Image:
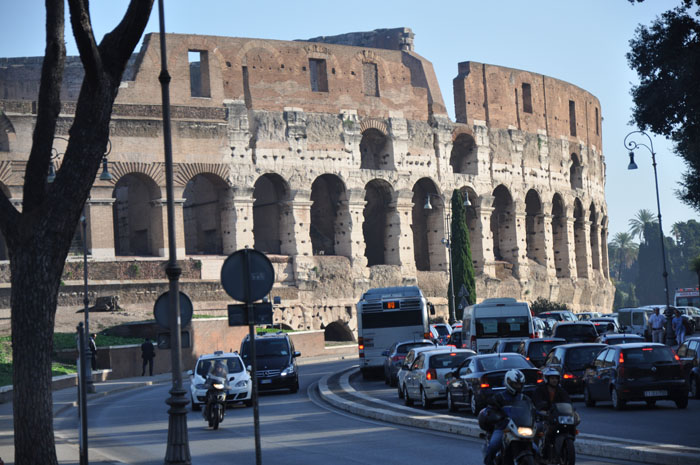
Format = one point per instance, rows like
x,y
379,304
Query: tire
x,y
651,403
294,389
474,406
618,403
216,419
587,397
386,378
450,403
406,399
568,453
694,388
365,373
195,406
527,460
392,381
424,401
248,403
400,390
682,402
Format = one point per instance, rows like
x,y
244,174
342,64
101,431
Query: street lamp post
x,y
90,386
633,145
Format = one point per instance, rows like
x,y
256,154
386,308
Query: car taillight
x,y
569,376
431,374
622,359
361,345
427,336
484,383
398,358
472,343
533,336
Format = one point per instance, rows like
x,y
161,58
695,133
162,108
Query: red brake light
x,y
484,385
677,357
431,374
647,349
360,347
427,336
569,376
453,354
622,358
398,358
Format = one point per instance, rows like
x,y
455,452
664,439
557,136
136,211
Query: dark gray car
x,y
395,355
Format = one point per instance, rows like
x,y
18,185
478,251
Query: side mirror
x,y
189,373
296,354
249,368
385,353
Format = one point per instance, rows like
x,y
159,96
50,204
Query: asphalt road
x,y
131,427
664,424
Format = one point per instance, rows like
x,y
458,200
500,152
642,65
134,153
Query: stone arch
x,y
534,227
503,225
204,196
6,129
327,210
560,236
3,244
376,225
270,193
373,150
595,247
463,157
338,330
580,239
137,216
576,172
428,226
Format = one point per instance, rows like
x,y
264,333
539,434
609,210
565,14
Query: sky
x,y
582,42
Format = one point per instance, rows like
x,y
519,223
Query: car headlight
x,y
525,431
242,383
288,371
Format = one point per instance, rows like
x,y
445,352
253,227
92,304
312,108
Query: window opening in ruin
x,y
503,225
604,248
576,173
199,73
202,215
527,98
372,145
428,226
376,224
3,244
597,130
134,216
534,227
269,193
580,240
5,129
463,157
326,192
246,88
559,237
370,81
338,331
595,249
572,117
319,77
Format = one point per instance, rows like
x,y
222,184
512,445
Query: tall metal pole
x,y
82,397
449,256
86,302
633,145
178,448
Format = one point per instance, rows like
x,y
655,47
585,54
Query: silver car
x,y
406,367
425,380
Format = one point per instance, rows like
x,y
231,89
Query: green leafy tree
x,y
665,56
541,305
650,282
38,237
687,247
695,266
639,222
623,251
460,248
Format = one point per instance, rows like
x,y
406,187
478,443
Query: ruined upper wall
x,y
499,96
400,38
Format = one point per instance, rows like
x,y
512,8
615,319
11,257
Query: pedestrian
x,y
93,351
656,323
147,354
678,327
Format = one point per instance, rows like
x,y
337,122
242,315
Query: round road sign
x,y
247,275
161,310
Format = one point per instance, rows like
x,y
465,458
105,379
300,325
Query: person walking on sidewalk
x,y
147,354
656,323
93,351
678,327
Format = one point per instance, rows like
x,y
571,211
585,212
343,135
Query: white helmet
x,y
514,381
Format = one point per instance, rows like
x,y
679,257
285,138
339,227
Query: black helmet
x,y
488,417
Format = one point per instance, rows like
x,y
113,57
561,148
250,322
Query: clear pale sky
x,y
579,41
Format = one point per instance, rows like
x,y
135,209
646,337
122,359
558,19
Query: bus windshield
x,y
392,319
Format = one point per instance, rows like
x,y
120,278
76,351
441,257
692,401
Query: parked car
x,y
584,316
406,366
570,360
240,385
602,325
505,345
425,379
575,331
480,376
440,333
395,355
536,350
620,338
645,372
559,315
689,353
276,361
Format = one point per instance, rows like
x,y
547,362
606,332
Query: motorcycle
x,y
556,439
217,386
517,445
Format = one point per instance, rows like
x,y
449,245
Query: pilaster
x,y
237,219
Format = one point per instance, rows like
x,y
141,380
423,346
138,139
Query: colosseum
x,y
323,154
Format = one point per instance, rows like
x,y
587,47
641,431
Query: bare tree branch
x,y
8,217
48,108
85,38
121,42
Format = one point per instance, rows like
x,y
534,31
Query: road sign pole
x,y
254,366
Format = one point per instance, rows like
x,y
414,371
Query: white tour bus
x,y
387,315
496,319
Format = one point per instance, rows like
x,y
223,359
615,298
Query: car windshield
x,y
647,355
451,360
577,358
500,362
539,350
267,348
231,364
404,348
442,330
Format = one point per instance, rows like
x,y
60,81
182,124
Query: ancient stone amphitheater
x,y
323,154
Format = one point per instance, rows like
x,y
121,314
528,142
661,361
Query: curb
x,y
586,444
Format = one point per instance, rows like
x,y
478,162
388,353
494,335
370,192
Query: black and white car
x,y
240,385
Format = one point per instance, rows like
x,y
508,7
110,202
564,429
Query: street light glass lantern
x,y
427,205
105,175
632,165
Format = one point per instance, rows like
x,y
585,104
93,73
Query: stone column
x,y
159,228
237,219
295,224
100,223
483,239
550,261
350,240
399,234
519,252
569,262
585,232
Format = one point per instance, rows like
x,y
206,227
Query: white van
x,y
636,320
493,319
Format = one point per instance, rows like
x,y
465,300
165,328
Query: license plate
x,y
265,381
655,393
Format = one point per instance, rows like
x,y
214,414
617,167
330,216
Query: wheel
x,y
406,400
527,460
386,377
294,388
392,381
365,373
682,402
215,421
651,403
474,406
248,403
618,403
568,453
424,401
450,403
400,389
195,406
587,397
694,388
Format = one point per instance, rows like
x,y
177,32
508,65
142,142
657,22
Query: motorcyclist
x,y
513,382
550,392
219,370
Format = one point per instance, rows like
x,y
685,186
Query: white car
x,y
425,379
240,384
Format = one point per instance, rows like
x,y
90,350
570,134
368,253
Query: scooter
x,y
517,446
215,400
556,440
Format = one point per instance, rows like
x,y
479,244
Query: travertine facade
x,y
324,153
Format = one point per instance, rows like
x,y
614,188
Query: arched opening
x,y
3,245
463,157
576,173
338,331
580,240
5,129
137,219
559,237
534,227
327,192
470,210
375,227
372,150
269,194
595,248
503,225
203,195
604,246
428,226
